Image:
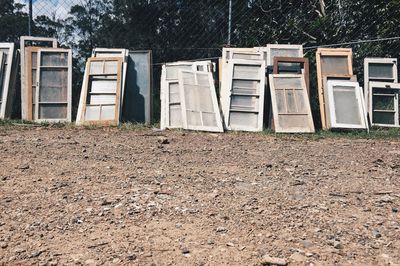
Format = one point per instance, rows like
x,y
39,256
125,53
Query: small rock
x,y
395,210
132,257
3,245
337,245
307,243
230,244
163,141
376,234
221,229
211,242
185,251
23,167
273,261
90,262
297,257
386,199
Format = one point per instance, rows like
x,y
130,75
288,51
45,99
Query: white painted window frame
x,y
8,80
367,79
277,126
164,87
24,89
390,87
360,103
260,111
212,91
69,90
270,47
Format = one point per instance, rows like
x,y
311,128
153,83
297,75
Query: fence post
x,y
30,18
230,23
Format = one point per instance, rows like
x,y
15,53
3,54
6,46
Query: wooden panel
x,y
346,105
102,92
29,41
53,99
384,104
290,104
245,109
324,68
200,110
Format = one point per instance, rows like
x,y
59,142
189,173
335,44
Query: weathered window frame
x,y
300,60
24,79
207,66
259,109
8,80
69,85
367,78
114,122
360,104
395,87
330,52
212,91
309,128
271,47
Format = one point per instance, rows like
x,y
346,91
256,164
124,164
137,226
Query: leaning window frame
x,y
261,96
24,80
360,102
274,102
270,47
331,52
213,94
8,80
300,60
388,86
116,120
367,79
69,88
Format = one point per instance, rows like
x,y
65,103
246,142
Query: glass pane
x,y
334,65
383,103
54,59
346,105
248,120
53,85
246,72
384,118
380,71
245,87
245,103
53,111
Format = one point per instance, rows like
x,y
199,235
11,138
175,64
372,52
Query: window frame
x,y
69,85
270,47
8,80
300,60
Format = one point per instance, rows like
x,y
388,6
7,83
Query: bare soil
x,y
143,197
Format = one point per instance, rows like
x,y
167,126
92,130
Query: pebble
x,y
3,245
337,245
376,234
221,229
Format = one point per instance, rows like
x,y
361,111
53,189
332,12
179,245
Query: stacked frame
x,y
245,109
199,104
8,76
333,62
290,104
53,95
101,96
384,104
171,112
305,67
26,72
345,106
283,50
379,70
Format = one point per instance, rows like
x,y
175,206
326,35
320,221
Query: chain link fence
x,y
198,29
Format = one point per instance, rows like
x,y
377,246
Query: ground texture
x,y
143,197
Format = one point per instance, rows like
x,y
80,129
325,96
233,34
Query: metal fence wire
x,y
198,29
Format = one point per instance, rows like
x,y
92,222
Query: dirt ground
x,y
144,197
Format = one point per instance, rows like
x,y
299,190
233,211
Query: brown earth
x,y
143,197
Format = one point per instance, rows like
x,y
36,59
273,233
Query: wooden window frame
x,y
301,60
298,47
389,86
367,79
30,98
24,90
331,52
360,102
115,121
211,88
8,80
260,109
277,127
69,81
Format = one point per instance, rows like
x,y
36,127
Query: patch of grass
x,y
133,126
